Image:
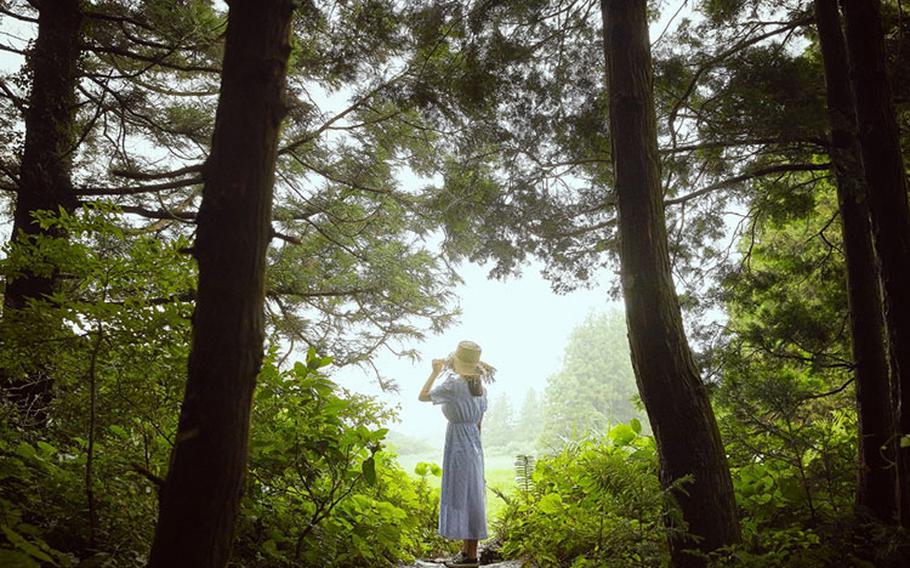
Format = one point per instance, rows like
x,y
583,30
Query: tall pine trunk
x,y
45,169
201,495
887,194
876,490
676,400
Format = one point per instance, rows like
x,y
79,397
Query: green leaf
x,y
622,434
905,440
635,423
270,547
16,559
25,546
118,431
369,470
46,448
551,504
26,450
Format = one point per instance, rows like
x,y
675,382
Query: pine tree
x,y
676,400
877,488
200,499
886,185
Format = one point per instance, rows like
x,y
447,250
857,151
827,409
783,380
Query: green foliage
x,y
794,450
115,340
22,544
499,422
322,492
112,343
503,102
596,502
784,403
405,445
428,513
524,474
843,542
511,431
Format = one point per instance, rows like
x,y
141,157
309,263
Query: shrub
x,y
596,502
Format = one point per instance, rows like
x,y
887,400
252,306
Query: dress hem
x,y
459,537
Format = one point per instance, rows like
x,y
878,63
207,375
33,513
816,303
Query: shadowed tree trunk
x,y
45,168
887,193
876,491
201,496
677,403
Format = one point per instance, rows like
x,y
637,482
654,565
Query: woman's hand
x,y
438,364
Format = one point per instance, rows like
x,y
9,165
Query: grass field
x,y
498,469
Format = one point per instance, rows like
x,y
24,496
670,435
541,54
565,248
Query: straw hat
x,y
466,361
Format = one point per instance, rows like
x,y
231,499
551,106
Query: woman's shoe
x,y
462,561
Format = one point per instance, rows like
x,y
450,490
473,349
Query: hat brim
x,y
466,368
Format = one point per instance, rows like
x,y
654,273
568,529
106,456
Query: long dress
x,y
462,504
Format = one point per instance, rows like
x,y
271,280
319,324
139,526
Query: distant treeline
x,y
594,388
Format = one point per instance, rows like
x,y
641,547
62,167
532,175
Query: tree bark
x,y
887,194
676,400
201,496
45,168
876,489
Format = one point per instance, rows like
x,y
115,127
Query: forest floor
x,y
439,564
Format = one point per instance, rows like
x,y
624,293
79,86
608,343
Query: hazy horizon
x,y
522,326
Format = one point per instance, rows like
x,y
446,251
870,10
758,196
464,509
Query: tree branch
x,y
830,392
159,61
20,17
743,142
693,82
147,176
134,190
779,168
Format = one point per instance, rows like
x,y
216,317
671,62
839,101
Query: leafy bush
x,y
322,492
596,502
82,486
112,344
22,465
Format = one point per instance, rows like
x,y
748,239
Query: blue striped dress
x,y
462,504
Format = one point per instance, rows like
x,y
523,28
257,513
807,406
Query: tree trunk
x,y
201,496
45,168
887,192
677,402
876,489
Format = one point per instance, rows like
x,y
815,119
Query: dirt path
x,y
430,564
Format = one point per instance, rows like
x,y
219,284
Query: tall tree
x,y
45,169
595,386
147,95
201,495
887,192
676,400
499,422
529,422
876,491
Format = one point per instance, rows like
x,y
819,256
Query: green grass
x,y
499,471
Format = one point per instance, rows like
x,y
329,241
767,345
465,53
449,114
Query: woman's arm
x,y
425,391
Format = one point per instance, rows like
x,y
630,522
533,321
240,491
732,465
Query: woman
x,y
462,504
